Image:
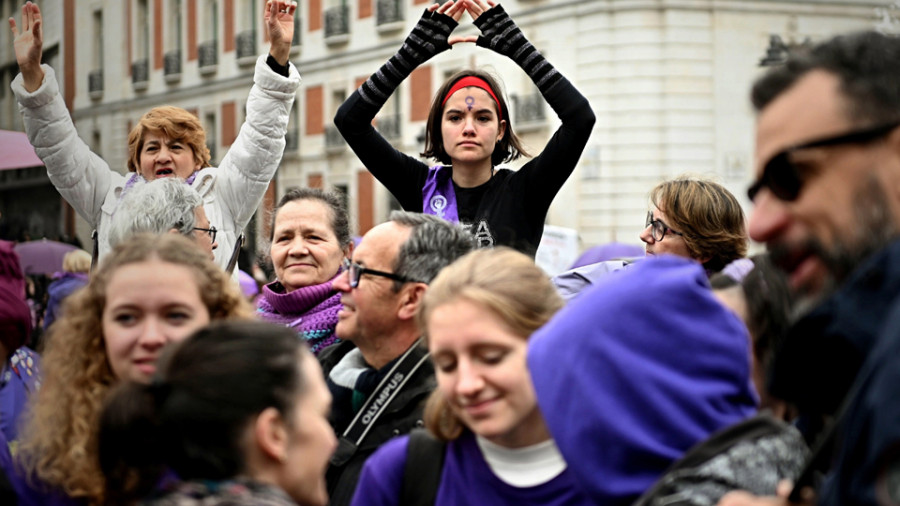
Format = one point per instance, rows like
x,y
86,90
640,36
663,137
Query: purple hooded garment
x,y
638,369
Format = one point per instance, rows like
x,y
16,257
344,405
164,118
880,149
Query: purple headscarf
x,y
638,369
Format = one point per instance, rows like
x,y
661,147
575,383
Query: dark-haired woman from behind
x,y
237,412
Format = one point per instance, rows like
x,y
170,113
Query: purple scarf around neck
x,y
310,310
438,195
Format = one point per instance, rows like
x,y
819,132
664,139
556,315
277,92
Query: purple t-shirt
x,y
465,479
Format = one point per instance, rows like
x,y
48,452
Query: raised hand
x,y
451,8
279,18
430,35
500,34
29,45
499,31
477,7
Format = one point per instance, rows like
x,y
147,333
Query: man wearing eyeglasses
x,y
379,376
827,205
160,206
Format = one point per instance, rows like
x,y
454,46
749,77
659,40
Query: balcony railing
x,y
246,45
95,83
337,24
529,109
334,141
172,64
140,72
292,139
208,55
388,12
389,126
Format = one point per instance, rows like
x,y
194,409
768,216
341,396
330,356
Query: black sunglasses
x,y
211,231
784,178
355,271
658,228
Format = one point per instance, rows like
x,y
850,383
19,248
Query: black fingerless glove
x,y
500,34
427,39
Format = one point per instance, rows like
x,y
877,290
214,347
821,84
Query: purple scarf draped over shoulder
x,y
311,310
438,196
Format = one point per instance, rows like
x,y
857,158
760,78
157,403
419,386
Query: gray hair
x,y
433,244
155,207
864,63
340,221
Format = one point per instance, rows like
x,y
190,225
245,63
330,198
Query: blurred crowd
x,y
431,361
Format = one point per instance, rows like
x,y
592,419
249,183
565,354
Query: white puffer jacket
x,y
231,192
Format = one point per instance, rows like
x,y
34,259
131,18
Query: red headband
x,y
476,82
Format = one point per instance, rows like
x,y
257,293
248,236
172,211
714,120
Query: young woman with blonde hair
x,y
478,315
150,291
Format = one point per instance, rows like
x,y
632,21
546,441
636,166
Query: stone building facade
x,y
667,79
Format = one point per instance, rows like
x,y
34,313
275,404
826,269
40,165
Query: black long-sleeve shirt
x,y
511,207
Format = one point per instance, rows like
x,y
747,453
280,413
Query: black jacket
x,y
851,344
402,415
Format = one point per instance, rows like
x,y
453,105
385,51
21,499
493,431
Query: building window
x,y
95,77
96,143
337,22
246,35
292,139
389,120
172,58
388,15
140,67
209,124
334,141
209,29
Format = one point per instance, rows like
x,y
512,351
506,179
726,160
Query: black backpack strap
x,y
424,464
235,253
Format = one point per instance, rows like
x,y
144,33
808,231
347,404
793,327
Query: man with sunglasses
x,y
827,205
378,375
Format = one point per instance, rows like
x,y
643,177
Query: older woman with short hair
x,y
310,238
163,206
698,219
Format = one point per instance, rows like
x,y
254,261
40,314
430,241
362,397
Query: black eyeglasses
x,y
658,228
211,231
785,179
355,271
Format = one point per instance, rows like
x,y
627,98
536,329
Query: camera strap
x,y
392,383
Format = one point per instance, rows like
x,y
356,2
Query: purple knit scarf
x,y
438,195
310,310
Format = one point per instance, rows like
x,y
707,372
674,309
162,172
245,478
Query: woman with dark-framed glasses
x,y
310,239
698,219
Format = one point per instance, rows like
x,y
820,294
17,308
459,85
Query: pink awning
x,y
16,152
